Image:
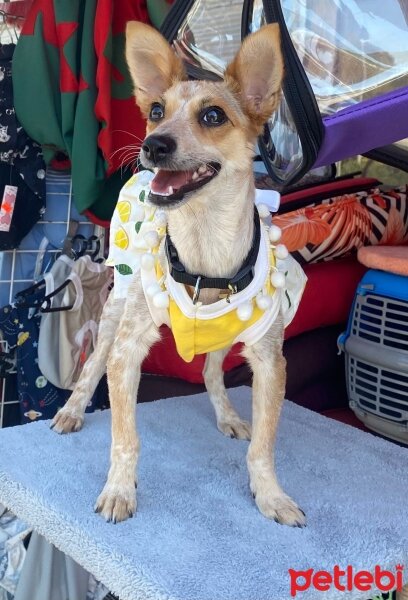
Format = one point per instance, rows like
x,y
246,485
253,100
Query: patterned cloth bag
x,y
341,225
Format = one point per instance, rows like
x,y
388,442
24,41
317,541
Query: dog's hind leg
x,y
269,369
228,421
71,416
136,334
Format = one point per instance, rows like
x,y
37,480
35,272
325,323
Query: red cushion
x,y
328,295
327,190
164,360
326,301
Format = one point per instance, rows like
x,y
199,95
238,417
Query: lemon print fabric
x,y
124,210
135,230
121,239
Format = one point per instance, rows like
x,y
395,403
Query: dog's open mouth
x,y
169,186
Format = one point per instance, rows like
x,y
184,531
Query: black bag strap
x,y
298,95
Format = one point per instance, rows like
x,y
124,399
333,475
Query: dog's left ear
x,y
256,73
153,65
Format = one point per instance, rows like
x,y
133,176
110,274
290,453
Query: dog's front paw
x,y
280,508
235,428
66,422
116,504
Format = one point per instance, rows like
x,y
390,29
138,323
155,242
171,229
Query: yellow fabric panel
x,y
199,336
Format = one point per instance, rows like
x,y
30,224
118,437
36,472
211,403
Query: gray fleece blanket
x,y
197,534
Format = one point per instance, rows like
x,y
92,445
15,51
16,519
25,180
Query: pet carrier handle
x,y
298,95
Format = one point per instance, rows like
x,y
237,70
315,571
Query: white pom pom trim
x,y
278,279
275,233
139,243
161,300
244,312
152,239
263,211
281,252
161,218
147,261
263,301
153,289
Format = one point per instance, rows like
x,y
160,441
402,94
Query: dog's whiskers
x,y
124,149
128,160
136,164
128,133
127,157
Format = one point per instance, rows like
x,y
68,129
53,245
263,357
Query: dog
x,y
200,143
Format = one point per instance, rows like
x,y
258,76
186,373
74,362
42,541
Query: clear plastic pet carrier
x,y
345,90
376,350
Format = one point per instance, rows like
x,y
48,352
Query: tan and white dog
x,y
200,142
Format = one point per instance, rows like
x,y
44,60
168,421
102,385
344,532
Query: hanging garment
x,y
49,574
20,327
22,167
38,398
73,92
53,226
12,552
197,329
68,337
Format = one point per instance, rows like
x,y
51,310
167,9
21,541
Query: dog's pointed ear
x,y
256,73
153,65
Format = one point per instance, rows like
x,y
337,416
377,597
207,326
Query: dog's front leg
x,y
228,421
269,369
136,334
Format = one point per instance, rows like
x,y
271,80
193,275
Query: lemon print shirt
x,y
137,247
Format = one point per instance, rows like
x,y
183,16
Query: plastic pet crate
x,y
376,351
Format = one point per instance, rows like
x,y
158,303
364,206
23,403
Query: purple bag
x,y
346,65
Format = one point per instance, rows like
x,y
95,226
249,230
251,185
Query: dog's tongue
x,y
163,181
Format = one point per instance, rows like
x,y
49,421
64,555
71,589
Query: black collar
x,y
234,284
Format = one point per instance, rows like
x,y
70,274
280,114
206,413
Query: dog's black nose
x,y
158,147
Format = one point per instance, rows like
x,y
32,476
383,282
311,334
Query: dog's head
x,y
198,130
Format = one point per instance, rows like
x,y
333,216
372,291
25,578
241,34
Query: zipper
x,y
298,94
247,10
175,18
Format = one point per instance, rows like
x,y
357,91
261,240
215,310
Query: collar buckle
x,y
197,290
232,289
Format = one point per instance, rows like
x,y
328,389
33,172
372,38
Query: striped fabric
x,y
339,226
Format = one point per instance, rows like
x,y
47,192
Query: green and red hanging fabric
x,y
73,92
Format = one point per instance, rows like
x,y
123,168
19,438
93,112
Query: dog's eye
x,y
156,112
213,116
